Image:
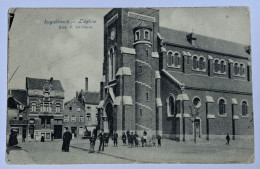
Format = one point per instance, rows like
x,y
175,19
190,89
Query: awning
x,y
158,102
209,99
235,117
111,92
234,101
101,103
183,97
118,100
211,116
127,100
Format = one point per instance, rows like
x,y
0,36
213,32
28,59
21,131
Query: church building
x,y
173,83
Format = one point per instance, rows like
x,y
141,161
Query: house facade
x,y
45,101
171,82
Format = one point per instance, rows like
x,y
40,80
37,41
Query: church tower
x,y
131,60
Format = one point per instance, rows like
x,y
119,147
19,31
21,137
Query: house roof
x,y
35,83
19,95
204,42
91,97
206,82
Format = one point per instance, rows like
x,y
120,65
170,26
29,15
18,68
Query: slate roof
x,y
204,42
35,83
215,83
91,97
19,95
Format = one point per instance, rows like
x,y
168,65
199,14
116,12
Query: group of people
x,y
129,137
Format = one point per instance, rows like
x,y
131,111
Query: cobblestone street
x,y
170,152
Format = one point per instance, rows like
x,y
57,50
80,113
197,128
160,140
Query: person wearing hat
x,y
66,140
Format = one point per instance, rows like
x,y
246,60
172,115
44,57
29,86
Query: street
x,y
214,151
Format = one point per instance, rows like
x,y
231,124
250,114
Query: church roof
x,y
91,97
205,82
204,42
37,84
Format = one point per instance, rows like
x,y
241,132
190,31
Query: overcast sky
x,y
43,50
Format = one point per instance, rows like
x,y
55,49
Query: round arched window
x,y
196,102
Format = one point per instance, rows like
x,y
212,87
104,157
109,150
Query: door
x,y
57,131
74,132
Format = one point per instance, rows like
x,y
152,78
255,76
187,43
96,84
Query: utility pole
x,y
13,73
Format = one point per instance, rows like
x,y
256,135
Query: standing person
x,y
115,136
128,136
67,136
92,143
124,139
131,139
101,137
228,139
159,140
24,136
136,139
106,139
29,137
13,139
52,136
145,138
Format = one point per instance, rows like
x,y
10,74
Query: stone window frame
x,y
196,65
149,34
66,118
58,108
137,36
81,119
169,113
225,103
220,69
73,118
200,103
173,59
33,106
88,116
247,105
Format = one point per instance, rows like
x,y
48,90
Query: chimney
x,y
51,79
86,84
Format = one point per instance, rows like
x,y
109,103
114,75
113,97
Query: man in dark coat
x,y
128,136
124,139
101,137
115,136
228,139
131,139
66,140
13,138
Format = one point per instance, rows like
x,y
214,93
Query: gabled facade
x,y
45,101
171,82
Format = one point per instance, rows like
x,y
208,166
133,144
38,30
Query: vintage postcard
x,y
129,85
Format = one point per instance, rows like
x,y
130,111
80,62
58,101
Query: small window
x,y
195,62
222,66
70,108
137,35
33,106
244,108
147,53
78,109
140,69
147,96
196,102
147,34
58,107
73,118
88,116
222,109
81,119
202,63
173,59
141,112
236,69
171,105
66,118
216,65
242,69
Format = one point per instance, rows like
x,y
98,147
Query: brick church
x,y
171,82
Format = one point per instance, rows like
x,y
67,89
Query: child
x,y
92,143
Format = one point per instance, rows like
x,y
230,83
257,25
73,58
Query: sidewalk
x,y
16,155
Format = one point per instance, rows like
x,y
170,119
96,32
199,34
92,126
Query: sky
x,y
43,50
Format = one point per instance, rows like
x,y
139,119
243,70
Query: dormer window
x,y
137,35
191,38
147,35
